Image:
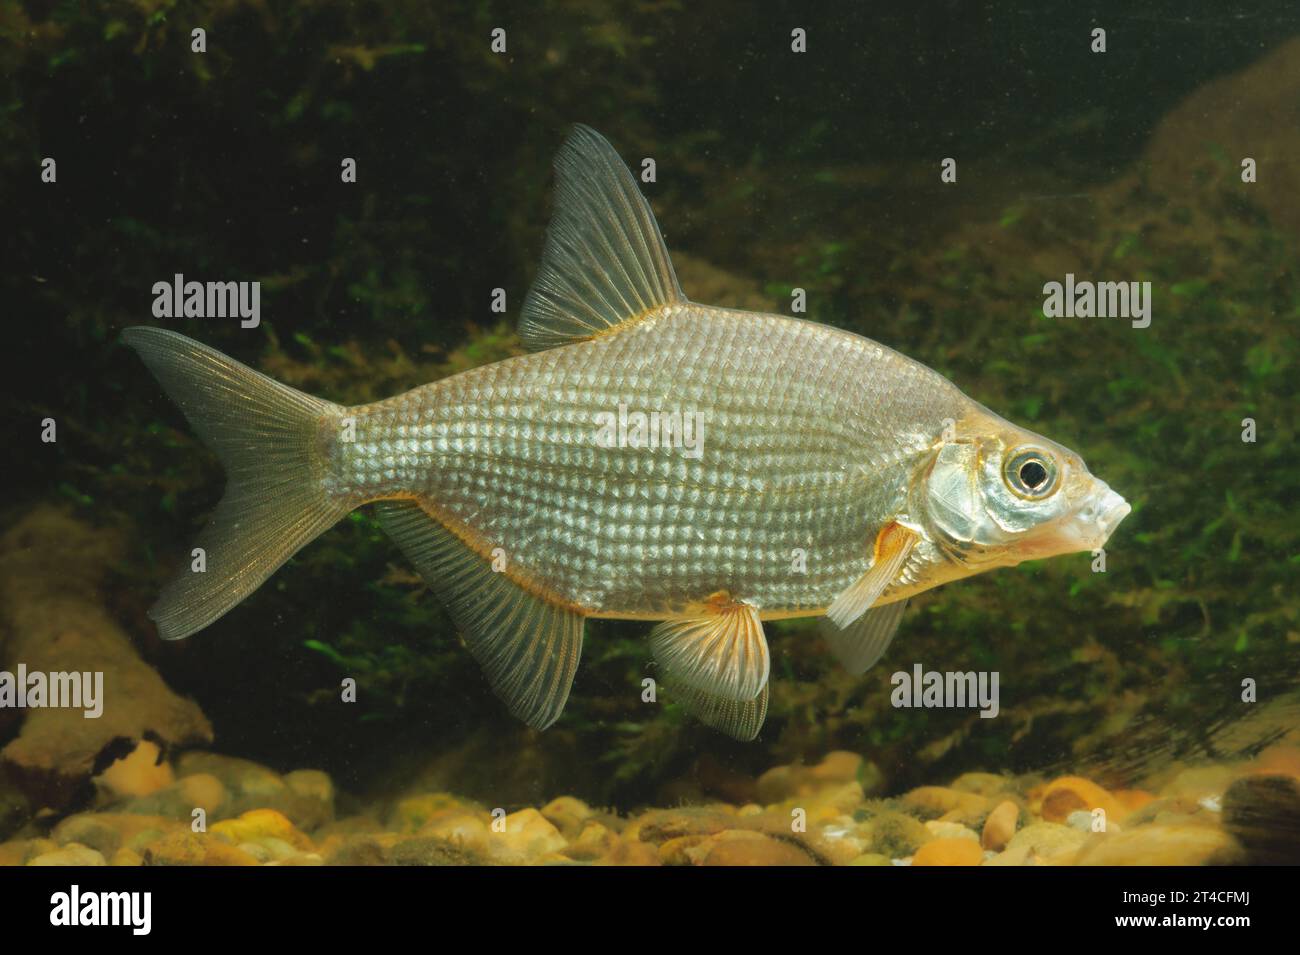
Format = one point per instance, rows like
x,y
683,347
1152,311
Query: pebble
x,y
359,849
527,834
71,854
179,800
836,769
951,804
660,825
684,850
429,850
950,830
1070,793
1047,839
304,796
139,773
894,834
191,848
630,852
260,825
312,803
592,843
1187,844
107,832
745,848
413,812
464,829
960,851
1080,819
1021,855
567,814
255,849
839,843
1000,826
1202,814
982,784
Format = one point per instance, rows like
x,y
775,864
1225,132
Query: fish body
x,y
810,439
788,469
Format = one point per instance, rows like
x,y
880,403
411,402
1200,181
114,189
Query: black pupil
x,y
1033,474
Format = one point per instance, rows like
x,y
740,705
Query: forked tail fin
x,y
269,438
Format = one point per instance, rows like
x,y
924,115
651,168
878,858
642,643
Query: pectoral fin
x,y
721,652
528,646
859,645
893,544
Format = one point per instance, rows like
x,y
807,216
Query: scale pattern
x,y
811,437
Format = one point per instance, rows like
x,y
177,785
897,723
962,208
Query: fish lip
x,y
1100,518
1118,510
1087,529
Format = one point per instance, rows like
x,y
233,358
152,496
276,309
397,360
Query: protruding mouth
x,y
1087,529
1098,520
1114,510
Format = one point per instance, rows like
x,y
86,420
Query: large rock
x,y
51,570
1252,113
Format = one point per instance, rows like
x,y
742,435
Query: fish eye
x,y
1030,473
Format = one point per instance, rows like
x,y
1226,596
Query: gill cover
x,y
953,499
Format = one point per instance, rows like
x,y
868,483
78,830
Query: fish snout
x,y
1093,523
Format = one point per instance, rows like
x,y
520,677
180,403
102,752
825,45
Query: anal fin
x,y
863,642
527,645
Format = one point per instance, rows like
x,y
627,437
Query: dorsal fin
x,y
605,263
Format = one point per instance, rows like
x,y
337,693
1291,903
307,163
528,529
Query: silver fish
x,y
650,459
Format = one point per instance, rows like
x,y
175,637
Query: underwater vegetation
x,y
1125,679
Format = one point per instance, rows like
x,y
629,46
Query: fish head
x,y
1001,495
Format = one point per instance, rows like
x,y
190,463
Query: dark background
x,y
226,166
